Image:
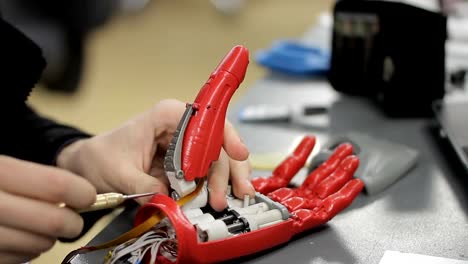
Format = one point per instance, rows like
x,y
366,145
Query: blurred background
x,y
136,53
110,60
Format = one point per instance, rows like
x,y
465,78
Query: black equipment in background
x,y
391,52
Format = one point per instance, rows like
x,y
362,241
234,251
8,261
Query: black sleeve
x,y
23,133
29,136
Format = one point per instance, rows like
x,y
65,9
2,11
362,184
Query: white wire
x,y
154,250
127,247
137,248
137,245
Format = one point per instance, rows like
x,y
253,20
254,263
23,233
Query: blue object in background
x,y
292,57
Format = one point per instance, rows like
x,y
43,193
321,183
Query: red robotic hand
x,y
273,217
324,193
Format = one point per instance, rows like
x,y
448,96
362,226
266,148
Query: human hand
x,y
30,219
129,159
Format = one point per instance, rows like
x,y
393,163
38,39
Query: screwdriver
x,y
111,200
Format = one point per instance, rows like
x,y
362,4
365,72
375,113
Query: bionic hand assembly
x,y
184,228
272,217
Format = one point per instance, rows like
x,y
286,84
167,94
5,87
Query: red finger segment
x,y
338,201
283,174
305,219
295,203
292,164
329,166
282,194
339,178
267,185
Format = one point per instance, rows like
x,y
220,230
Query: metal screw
x,y
175,196
180,174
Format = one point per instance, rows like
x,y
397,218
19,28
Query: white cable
x,y
126,248
155,249
134,250
137,245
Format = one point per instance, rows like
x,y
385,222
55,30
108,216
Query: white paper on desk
x,y
395,257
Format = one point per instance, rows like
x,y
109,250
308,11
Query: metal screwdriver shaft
x,y
111,200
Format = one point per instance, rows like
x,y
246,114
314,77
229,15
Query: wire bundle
x,y
133,251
